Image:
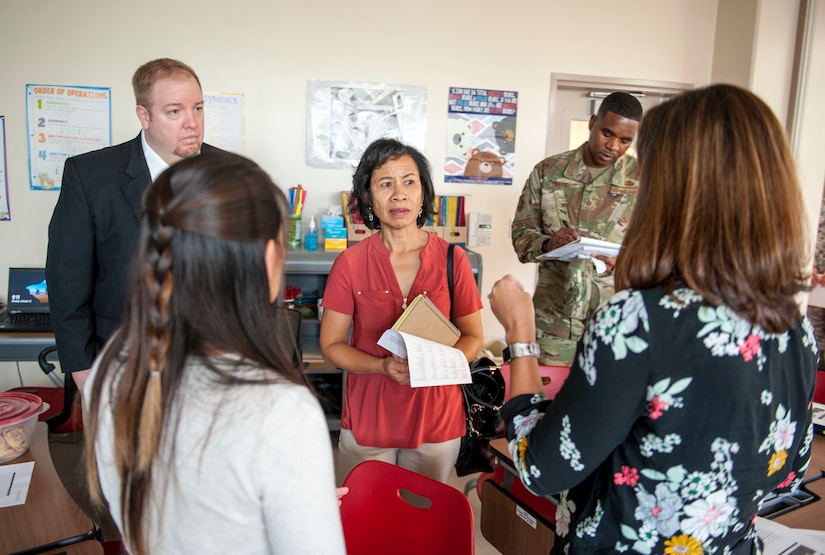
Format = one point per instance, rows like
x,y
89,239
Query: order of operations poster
x,y
481,136
62,122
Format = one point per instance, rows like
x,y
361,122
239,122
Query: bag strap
x,y
450,277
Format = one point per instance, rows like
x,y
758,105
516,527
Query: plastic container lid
x,y
16,406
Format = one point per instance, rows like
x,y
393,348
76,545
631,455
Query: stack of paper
x,y
783,540
583,246
425,337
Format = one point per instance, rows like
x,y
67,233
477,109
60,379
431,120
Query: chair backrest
x,y
819,392
551,376
63,415
390,509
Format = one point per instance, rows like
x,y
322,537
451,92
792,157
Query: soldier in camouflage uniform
x,y
590,192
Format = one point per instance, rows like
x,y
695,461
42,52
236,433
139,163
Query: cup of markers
x,y
297,196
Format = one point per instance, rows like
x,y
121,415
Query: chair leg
x,y
470,486
69,389
69,394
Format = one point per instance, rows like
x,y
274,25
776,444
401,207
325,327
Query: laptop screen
x,y
27,290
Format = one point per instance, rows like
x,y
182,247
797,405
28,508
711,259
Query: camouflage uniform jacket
x,y
563,192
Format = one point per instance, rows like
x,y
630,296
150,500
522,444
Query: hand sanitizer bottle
x,y
311,238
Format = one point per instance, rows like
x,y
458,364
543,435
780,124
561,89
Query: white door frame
x,y
591,83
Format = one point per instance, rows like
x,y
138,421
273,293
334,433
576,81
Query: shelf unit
x,y
309,271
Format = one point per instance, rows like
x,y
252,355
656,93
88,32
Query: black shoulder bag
x,y
482,400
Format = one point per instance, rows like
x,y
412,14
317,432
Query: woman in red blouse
x,y
368,287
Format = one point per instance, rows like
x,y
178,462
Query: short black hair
x,y
623,104
375,156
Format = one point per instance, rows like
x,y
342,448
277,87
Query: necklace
x,y
404,303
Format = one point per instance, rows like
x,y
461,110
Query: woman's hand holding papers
x,y
397,369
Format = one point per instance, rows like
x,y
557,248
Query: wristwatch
x,y
515,350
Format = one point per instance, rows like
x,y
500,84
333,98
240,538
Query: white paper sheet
x,y
14,483
784,540
583,246
818,415
430,363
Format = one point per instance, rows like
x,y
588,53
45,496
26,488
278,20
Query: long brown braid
x,y
159,283
204,228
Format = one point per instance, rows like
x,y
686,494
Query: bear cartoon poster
x,y
481,136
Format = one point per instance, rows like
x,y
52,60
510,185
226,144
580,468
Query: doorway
x,y
574,98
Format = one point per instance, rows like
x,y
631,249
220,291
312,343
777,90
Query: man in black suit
x,y
95,222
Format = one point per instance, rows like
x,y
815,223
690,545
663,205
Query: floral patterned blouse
x,y
677,420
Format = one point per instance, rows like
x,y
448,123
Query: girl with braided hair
x,y
194,411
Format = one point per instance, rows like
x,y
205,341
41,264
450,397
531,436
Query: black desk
x,y
23,346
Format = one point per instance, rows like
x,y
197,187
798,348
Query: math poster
x,y
481,136
4,184
223,121
62,122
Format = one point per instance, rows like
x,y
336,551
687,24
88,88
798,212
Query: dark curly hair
x,y
376,155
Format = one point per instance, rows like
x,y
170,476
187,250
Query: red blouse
x,y
361,283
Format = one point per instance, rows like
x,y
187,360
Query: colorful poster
x,y
481,136
344,117
5,215
64,122
223,122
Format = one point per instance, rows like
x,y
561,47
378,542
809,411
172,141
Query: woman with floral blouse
x,y
689,400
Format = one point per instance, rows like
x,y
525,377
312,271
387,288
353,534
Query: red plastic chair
x,y
552,378
541,505
64,414
390,509
819,391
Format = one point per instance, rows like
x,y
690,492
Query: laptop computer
x,y
28,302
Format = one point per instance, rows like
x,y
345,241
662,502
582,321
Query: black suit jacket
x,y
92,236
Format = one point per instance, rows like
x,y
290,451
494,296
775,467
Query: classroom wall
x,y
733,41
268,50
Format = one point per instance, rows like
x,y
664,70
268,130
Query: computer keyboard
x,y
31,322
36,318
